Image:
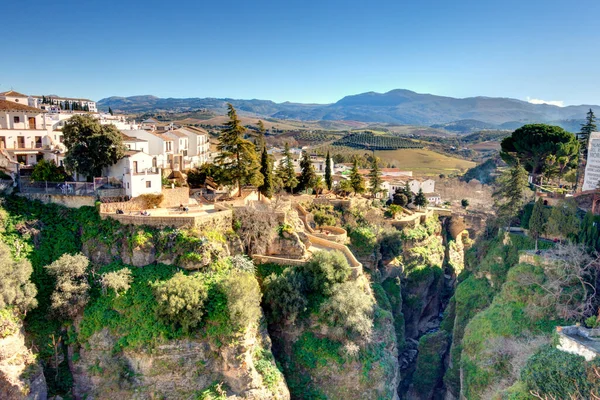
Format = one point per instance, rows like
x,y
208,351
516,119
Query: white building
x,y
198,145
591,178
84,104
136,172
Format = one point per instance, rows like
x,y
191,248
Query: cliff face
x,y
178,369
21,376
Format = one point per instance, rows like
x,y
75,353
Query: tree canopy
x,y
16,289
91,146
375,177
285,170
356,179
328,177
533,144
237,156
307,172
511,193
266,169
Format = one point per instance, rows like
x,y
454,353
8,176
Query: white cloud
x,y
558,103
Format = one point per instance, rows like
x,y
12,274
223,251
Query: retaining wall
x,y
354,263
63,200
573,339
220,220
337,234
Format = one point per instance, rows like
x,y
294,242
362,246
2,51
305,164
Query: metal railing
x,y
102,187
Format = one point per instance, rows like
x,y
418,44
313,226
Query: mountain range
x,y
398,106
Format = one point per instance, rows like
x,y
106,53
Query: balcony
x,y
143,171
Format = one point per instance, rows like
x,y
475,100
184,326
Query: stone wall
x,y
572,341
174,197
336,234
63,200
221,220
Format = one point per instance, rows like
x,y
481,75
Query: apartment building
x,y
51,103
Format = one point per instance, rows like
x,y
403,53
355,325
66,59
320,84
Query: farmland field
x,y
424,162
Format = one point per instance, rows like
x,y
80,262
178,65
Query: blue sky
x,y
303,51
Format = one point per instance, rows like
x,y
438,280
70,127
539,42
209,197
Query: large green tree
x,y
328,174
237,156
537,222
420,199
375,177
356,179
563,220
16,290
587,129
285,171
266,169
533,144
91,146
259,139
46,170
307,172
510,195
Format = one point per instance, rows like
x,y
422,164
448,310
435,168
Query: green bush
x,y
430,363
151,200
390,244
16,289
70,295
349,312
324,270
9,322
243,299
119,281
181,300
323,219
283,295
363,240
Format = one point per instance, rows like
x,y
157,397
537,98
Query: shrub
x,y
284,296
15,287
151,200
464,203
9,323
181,300
119,281
555,374
323,219
243,299
349,311
71,292
363,240
243,263
46,170
324,270
390,244
430,364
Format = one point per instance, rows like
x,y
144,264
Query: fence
x,y
102,187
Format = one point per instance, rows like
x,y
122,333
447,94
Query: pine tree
x,y
307,172
266,169
356,180
511,193
43,99
375,177
408,193
237,156
537,221
328,177
259,140
587,129
110,111
420,199
286,172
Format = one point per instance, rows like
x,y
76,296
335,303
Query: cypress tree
x,y
420,199
237,156
307,172
375,177
266,169
511,192
286,172
110,111
328,177
259,140
356,180
408,193
537,221
587,129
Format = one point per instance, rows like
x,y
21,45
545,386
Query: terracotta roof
x,y
131,139
6,105
13,94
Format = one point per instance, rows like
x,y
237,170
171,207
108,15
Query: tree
x,y
590,231
348,312
259,140
356,179
328,177
243,299
375,177
399,198
307,172
408,193
464,203
91,146
119,281
537,221
420,199
324,270
110,111
237,156
266,170
344,188
511,193
284,297
180,300
16,290
586,130
46,170
197,177
563,220
71,291
286,172
531,145
395,209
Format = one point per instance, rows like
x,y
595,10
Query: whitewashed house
x,y
160,147
198,145
136,172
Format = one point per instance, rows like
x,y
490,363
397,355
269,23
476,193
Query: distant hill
x,y
398,106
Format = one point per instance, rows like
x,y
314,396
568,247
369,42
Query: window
x,y
148,184
127,185
16,120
